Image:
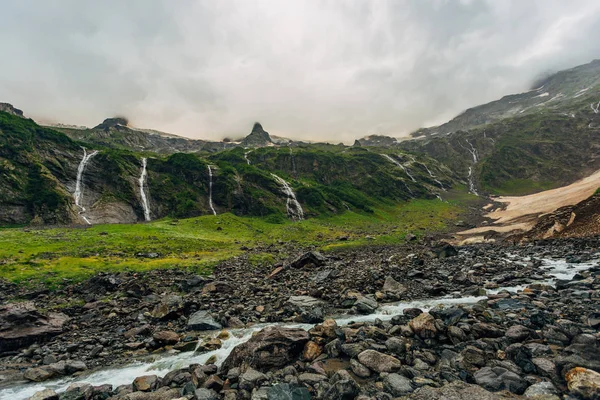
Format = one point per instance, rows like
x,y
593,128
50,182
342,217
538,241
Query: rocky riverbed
x,y
417,320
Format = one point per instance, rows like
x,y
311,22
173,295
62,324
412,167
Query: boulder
x,y
457,390
424,326
166,337
39,374
170,307
365,305
202,321
584,383
343,387
46,394
498,378
312,257
392,288
397,385
206,394
285,391
146,383
379,362
271,347
21,325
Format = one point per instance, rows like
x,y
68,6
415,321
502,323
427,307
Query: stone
x,y
46,394
457,390
541,389
202,321
365,305
213,382
397,385
393,287
311,379
206,394
498,378
379,362
166,337
343,387
396,345
272,347
22,325
170,307
251,379
39,374
424,326
146,383
359,370
285,391
517,333
311,351
584,383
311,257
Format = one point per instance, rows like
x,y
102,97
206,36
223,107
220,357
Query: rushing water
x,y
294,209
397,163
472,182
558,269
210,186
434,177
246,156
142,180
79,183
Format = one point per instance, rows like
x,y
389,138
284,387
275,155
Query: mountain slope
x,y
43,169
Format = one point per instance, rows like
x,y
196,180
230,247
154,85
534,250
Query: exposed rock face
x,y
270,348
257,138
202,321
8,108
112,122
21,325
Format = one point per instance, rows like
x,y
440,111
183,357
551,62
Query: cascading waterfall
x,y
397,163
246,156
557,269
79,183
210,186
294,209
473,151
472,183
434,177
142,180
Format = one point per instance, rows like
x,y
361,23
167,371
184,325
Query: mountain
x,y
257,138
49,178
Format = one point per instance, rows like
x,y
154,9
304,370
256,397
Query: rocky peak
x,y
113,122
8,108
258,137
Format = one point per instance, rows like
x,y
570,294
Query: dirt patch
x,y
520,213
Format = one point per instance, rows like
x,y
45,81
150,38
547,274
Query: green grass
x,y
59,255
522,187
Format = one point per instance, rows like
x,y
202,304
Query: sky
x,y
319,70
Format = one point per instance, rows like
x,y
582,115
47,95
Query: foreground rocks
x,y
542,341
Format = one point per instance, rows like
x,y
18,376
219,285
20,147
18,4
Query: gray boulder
x,y
202,321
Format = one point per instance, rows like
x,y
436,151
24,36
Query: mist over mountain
x,y
316,70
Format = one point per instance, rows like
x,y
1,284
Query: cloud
x,y
310,69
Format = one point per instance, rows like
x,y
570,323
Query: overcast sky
x,y
310,69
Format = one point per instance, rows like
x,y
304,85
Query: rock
x,y
202,321
311,379
396,345
343,387
359,370
22,325
424,326
312,257
206,394
309,308
311,351
498,378
364,305
285,391
445,250
517,333
217,287
397,385
39,374
457,390
392,288
541,389
379,362
251,379
46,394
584,383
213,382
170,307
271,347
146,383
166,337
72,366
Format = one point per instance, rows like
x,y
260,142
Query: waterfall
x,y
390,159
79,183
401,166
142,179
434,177
293,162
473,151
294,209
246,156
472,183
596,109
210,186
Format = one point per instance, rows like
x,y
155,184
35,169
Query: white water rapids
x,y
161,365
293,207
79,183
210,186
142,180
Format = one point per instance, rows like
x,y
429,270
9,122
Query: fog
x,y
306,69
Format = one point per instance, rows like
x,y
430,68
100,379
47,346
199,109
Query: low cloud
x,y
310,69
